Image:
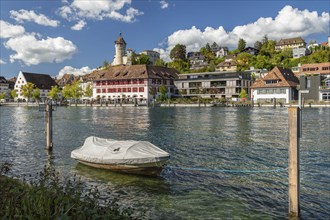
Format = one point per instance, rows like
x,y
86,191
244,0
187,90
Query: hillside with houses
x,y
270,71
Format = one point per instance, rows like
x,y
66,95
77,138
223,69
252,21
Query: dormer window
x,y
271,81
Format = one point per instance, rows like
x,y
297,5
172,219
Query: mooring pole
x,y
294,172
49,125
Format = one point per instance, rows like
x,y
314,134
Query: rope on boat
x,y
226,171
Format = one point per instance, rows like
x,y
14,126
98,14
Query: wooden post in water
x,y
49,126
294,172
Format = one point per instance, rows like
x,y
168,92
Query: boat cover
x,y
109,151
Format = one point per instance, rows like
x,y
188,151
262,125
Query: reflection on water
x,y
210,138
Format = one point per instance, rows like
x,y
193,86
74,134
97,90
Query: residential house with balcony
x,y
43,82
213,84
251,50
315,78
280,84
290,43
228,65
196,60
4,86
222,52
300,52
139,82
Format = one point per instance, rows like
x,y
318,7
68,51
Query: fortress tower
x,y
120,46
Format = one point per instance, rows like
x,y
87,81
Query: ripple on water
x,y
207,138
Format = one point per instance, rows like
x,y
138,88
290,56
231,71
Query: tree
x,y
66,92
241,44
207,47
2,95
36,94
54,93
76,91
89,91
27,90
179,65
163,91
13,94
258,45
160,62
243,94
143,59
265,40
178,52
105,63
133,58
244,61
215,46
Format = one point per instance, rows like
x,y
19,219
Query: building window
x,y
124,89
326,96
98,91
141,81
270,81
282,91
141,89
135,89
129,90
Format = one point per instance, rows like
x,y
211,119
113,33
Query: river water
x,y
226,163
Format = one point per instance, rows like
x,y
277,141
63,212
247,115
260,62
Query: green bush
x,y
47,197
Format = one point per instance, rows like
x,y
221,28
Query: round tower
x,y
120,46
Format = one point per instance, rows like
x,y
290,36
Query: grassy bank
x,y
47,197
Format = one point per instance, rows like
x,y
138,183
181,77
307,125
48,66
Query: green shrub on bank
x,y
45,197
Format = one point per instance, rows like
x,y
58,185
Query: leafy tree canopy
x,y
143,59
54,92
88,91
27,90
178,52
160,62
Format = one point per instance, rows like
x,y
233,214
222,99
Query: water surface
x,y
204,143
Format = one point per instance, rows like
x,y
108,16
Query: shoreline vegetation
x,y
49,196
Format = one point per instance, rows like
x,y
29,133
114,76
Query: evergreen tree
x,y
241,44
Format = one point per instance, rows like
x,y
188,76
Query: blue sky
x,y
76,36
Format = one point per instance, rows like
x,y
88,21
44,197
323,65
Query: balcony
x,y
324,88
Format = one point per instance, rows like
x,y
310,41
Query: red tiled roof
x,y
134,72
284,77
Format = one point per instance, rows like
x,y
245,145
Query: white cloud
x,y
79,26
24,15
290,22
33,51
75,71
8,30
2,62
163,4
99,10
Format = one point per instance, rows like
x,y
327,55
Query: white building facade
x,y
43,82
